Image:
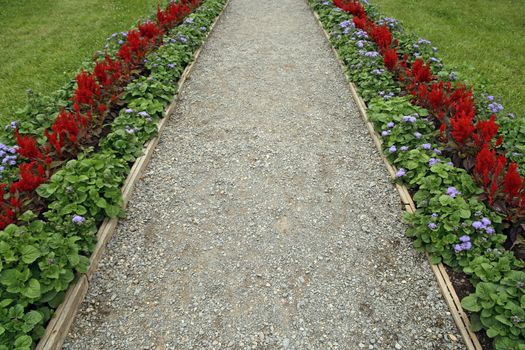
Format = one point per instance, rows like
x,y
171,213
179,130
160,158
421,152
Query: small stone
x,y
398,346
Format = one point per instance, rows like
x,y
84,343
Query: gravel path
x,y
266,219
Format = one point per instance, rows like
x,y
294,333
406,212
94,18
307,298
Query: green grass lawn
x,y
43,42
485,38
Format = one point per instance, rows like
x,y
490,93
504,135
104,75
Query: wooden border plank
x,y
58,327
447,289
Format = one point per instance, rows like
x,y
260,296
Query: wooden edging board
x,y
58,327
447,289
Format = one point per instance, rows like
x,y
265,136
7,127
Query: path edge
x,y
59,325
443,279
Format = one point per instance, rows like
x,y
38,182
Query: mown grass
x,y
484,38
43,42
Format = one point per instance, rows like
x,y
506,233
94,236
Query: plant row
x,y
64,174
444,140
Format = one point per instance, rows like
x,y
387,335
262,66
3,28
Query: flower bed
x,y
65,173
464,170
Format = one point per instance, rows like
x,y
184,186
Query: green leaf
x,y
32,291
470,303
29,253
491,332
464,213
101,203
23,342
32,317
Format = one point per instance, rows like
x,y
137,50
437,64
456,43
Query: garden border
x,y
447,289
59,325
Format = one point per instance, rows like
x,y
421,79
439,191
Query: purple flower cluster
x,y
77,219
403,148
183,39
392,149
391,22
424,41
432,226
495,107
371,54
130,130
464,245
8,155
188,20
361,34
345,24
426,146
385,133
418,135
390,125
484,224
360,44
203,29
401,172
433,161
11,125
387,95
378,71
452,192
409,118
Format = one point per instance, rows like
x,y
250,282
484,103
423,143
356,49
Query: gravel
x,y
266,218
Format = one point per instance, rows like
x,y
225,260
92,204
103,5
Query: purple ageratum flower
x,y
173,40
466,245
203,29
345,24
371,54
401,172
346,31
77,219
435,60
171,65
143,114
426,146
183,39
485,221
120,42
326,3
452,192
490,230
378,71
424,41
385,133
392,149
490,98
409,119
450,164
360,44
361,34
478,225
437,151
434,215
403,148
464,238
128,110
390,125
432,226
188,20
433,161
130,130
495,107
458,248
